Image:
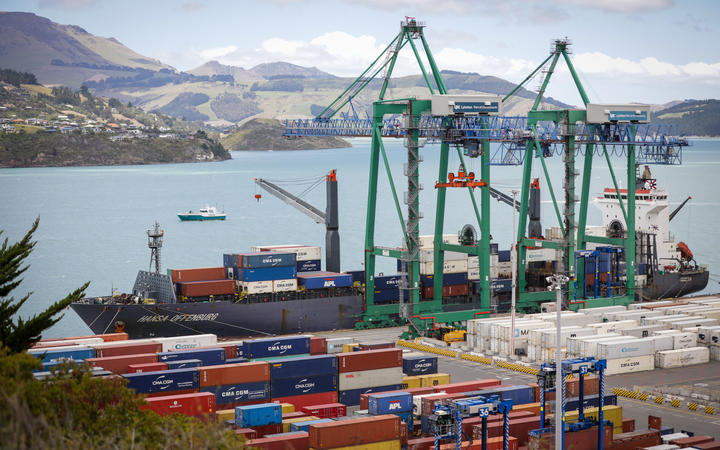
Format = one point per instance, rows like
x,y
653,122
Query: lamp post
x,y
557,281
513,263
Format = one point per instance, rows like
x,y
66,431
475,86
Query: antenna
x,y
155,241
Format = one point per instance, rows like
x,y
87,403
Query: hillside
x,y
266,134
691,117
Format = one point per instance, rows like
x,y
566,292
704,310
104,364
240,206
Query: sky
x,y
649,51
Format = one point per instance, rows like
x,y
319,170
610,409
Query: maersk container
x,y
266,274
163,381
258,415
184,364
302,385
625,349
277,346
303,366
236,393
313,265
419,364
352,397
285,285
304,426
78,353
390,403
320,280
268,259
208,356
370,378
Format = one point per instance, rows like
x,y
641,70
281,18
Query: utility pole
x,y
557,282
513,262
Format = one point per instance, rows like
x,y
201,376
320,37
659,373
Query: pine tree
x,y
18,335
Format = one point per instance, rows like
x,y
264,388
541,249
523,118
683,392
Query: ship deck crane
x,y
329,217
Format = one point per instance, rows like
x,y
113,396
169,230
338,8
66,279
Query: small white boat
x,y
206,213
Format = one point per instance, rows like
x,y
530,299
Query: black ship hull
x,y
223,318
675,284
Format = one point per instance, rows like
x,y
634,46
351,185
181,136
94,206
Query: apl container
x,y
321,280
285,387
390,403
236,393
208,356
303,366
163,381
258,415
278,346
352,397
419,364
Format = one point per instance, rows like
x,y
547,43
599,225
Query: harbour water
x,y
93,219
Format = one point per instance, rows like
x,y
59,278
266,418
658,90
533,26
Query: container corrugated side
x,y
195,404
186,342
236,393
625,349
369,360
234,374
352,397
258,415
303,366
256,287
390,403
266,274
354,432
321,280
163,381
285,285
627,365
302,385
268,259
370,378
685,357
209,356
420,364
276,346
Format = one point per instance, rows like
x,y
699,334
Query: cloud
x,y
601,64
65,4
193,6
621,6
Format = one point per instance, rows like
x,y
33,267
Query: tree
x,y
18,335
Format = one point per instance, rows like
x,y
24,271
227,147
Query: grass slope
x,y
266,134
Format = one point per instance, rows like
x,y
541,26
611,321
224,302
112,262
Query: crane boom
x,y
292,200
677,210
502,197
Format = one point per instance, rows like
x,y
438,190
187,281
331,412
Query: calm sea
x,y
93,219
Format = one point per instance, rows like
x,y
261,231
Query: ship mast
x,y
155,241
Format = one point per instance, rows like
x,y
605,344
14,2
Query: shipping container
x,y
369,360
195,404
277,346
78,353
313,265
119,364
413,392
466,386
391,282
260,260
208,356
266,274
184,364
626,349
163,381
285,285
384,296
636,439
86,342
318,345
352,397
692,441
300,401
258,415
390,403
435,379
321,280
145,367
227,374
576,440
265,430
303,366
282,441
302,252
680,358
237,393
186,342
196,274
449,279
370,378
304,425
457,290
122,348
326,411
207,288
627,365
458,266
256,287
335,345
354,432
302,385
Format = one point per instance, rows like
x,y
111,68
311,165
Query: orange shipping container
x,y
354,432
234,373
119,364
467,386
197,274
206,288
127,348
369,360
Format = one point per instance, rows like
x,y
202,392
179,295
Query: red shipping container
x,y
628,425
468,425
413,391
293,415
127,348
519,427
166,393
577,440
297,441
714,445
197,274
428,403
268,429
692,441
369,360
299,401
326,411
206,288
109,337
119,364
318,345
424,443
467,386
362,347
146,367
354,432
247,433
196,404
636,439
53,344
455,290
238,373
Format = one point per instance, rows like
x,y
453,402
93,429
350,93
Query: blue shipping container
x,y
184,364
406,417
320,280
258,415
241,350
590,401
163,380
504,256
208,356
268,259
303,366
387,295
390,403
235,393
231,259
357,275
449,279
266,274
494,247
278,346
285,387
352,397
387,282
304,426
519,394
76,353
236,360
312,265
500,285
419,364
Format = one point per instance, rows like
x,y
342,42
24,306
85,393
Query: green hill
x,y
266,134
691,118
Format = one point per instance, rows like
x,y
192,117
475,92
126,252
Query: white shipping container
x,y
704,334
64,342
541,254
549,338
684,340
417,401
369,378
695,322
667,438
187,342
665,320
602,310
335,345
521,332
573,344
257,287
628,365
473,262
285,285
302,252
428,255
613,327
715,337
715,352
590,347
630,315
685,357
627,348
662,343
474,274
426,240
642,305
573,319
710,313
448,267
642,331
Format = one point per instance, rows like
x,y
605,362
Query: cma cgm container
x,y
303,366
286,387
237,393
354,432
369,360
302,252
161,381
321,280
309,266
185,342
266,273
390,403
208,356
267,259
195,404
258,415
419,364
279,346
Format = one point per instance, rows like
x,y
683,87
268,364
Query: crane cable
x,y
311,182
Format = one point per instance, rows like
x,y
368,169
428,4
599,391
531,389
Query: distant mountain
x,y
211,68
284,69
691,117
64,54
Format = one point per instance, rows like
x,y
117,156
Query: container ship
x,y
276,289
